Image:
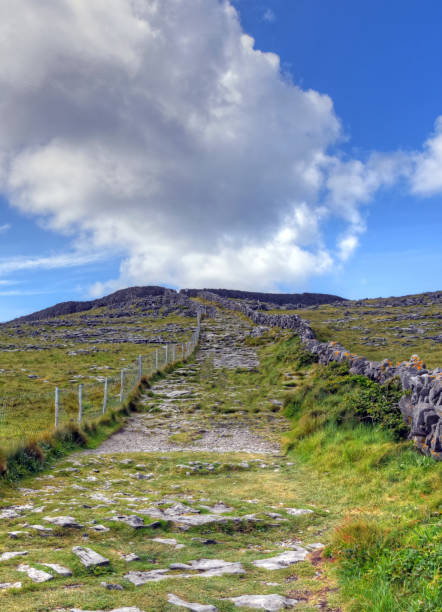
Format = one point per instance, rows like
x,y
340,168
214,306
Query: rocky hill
x,y
123,297
287,300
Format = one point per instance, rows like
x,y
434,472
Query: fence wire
x,y
80,403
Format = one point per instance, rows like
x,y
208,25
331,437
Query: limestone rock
x,y
11,555
62,521
283,560
89,557
59,569
140,578
298,511
195,607
270,603
34,574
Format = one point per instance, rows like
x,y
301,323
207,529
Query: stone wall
x,y
421,404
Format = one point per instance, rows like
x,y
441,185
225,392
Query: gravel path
x,y
176,423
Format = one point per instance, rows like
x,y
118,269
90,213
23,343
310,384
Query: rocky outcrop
x,y
421,404
294,300
124,298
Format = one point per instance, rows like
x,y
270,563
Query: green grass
x,y
372,332
389,543
62,360
376,500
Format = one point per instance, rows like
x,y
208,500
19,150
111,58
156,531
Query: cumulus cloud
x,y
156,127
427,177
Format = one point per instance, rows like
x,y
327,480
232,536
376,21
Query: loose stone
x,y
270,603
298,511
195,607
130,557
283,560
59,569
35,575
112,587
89,557
140,578
62,521
11,555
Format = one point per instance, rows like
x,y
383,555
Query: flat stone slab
x,y
130,609
14,511
11,555
59,569
35,575
140,578
208,568
204,568
10,585
298,511
62,521
195,607
16,534
42,530
133,521
270,603
89,557
283,560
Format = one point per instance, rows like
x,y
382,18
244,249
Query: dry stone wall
x,y
421,404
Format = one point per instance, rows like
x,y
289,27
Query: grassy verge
x,y
347,429
22,458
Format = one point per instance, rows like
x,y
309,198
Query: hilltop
x,y
143,296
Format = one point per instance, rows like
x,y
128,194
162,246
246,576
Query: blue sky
x,y
192,189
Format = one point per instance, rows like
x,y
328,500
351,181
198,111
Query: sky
x,y
282,145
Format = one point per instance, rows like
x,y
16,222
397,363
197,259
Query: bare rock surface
x,y
270,603
283,560
89,557
34,574
195,607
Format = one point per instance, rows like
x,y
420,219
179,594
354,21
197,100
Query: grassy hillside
x,y
348,431
64,351
376,330
376,501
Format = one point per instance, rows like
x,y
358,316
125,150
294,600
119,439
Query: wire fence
x,y
27,414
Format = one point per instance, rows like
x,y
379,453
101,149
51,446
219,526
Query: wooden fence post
x,y
105,395
167,353
80,404
56,406
122,386
156,359
140,367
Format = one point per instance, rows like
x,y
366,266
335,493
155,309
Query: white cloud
x,y
427,177
353,182
4,228
50,262
157,129
269,16
6,282
347,246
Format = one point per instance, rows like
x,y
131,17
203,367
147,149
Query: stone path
x,y
175,402
191,506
